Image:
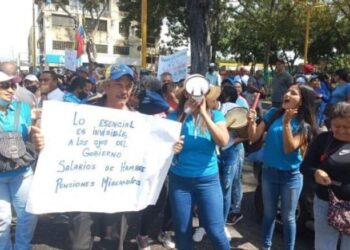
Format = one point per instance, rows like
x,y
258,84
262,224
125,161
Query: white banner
x,y
176,64
70,59
100,159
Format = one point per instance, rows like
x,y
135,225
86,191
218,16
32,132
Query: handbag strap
x,y
17,116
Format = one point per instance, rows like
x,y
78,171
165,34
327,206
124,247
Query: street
x,y
52,233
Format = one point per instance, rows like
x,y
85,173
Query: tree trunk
x,y
267,52
198,17
215,32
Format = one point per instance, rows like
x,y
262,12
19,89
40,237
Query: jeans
x,y
206,193
14,191
287,185
326,237
231,166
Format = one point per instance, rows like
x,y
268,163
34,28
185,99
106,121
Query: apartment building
x,y
114,43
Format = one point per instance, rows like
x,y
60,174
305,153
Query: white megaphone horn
x,y
197,86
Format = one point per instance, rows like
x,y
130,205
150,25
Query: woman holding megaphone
x,y
194,177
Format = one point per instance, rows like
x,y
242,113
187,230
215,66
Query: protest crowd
x,y
303,137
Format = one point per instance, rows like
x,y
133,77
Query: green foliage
x,y
251,30
156,12
341,61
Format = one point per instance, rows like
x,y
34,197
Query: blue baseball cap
x,y
301,80
116,71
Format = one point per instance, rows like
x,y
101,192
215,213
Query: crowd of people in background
x,y
307,122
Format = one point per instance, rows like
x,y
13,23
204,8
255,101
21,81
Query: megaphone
x,y
197,86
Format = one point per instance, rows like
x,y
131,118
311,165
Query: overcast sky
x,y
15,23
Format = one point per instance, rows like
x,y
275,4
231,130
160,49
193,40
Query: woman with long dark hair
x,y
289,131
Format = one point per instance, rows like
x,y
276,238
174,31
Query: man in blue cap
x,y
87,226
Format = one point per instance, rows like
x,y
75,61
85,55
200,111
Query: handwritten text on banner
x,y
176,64
100,159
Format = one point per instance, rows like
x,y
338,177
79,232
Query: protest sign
x,y
100,159
176,64
70,59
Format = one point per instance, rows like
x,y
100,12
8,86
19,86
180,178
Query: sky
x,y
15,24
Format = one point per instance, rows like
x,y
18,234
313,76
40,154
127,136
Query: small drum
x,y
237,122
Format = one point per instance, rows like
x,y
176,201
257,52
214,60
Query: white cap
x,y
245,79
31,78
211,64
4,77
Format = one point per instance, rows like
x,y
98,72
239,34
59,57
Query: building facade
x,y
114,43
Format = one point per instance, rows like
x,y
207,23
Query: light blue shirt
x,y
340,94
7,120
213,78
70,97
198,156
274,155
242,102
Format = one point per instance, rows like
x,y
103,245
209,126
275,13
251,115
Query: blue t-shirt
x,y
70,97
274,155
341,93
7,124
198,156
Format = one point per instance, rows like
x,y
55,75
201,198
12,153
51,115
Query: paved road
x,y
51,233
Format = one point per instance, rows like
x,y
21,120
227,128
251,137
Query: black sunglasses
x,y
7,85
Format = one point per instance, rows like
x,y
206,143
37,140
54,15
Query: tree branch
x,y
61,5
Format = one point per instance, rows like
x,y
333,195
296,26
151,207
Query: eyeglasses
x,y
7,85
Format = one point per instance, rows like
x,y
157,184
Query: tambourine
x,y
237,122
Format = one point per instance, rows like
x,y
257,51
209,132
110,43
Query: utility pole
x,y
307,30
309,7
143,33
34,41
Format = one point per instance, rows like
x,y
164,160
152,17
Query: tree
x,y
343,6
198,23
185,19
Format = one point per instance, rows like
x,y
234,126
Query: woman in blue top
x,y
291,129
15,184
194,177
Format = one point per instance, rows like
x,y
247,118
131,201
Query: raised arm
x,y
217,130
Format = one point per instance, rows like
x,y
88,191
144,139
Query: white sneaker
x,y
227,233
198,234
166,240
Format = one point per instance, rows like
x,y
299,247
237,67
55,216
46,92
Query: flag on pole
x,y
79,40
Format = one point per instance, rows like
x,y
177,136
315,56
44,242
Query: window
x,y
90,24
63,21
123,29
121,50
62,45
101,48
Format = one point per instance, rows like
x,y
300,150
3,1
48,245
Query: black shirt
x,y
317,157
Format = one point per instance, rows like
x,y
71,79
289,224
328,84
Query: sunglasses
x,y
7,85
